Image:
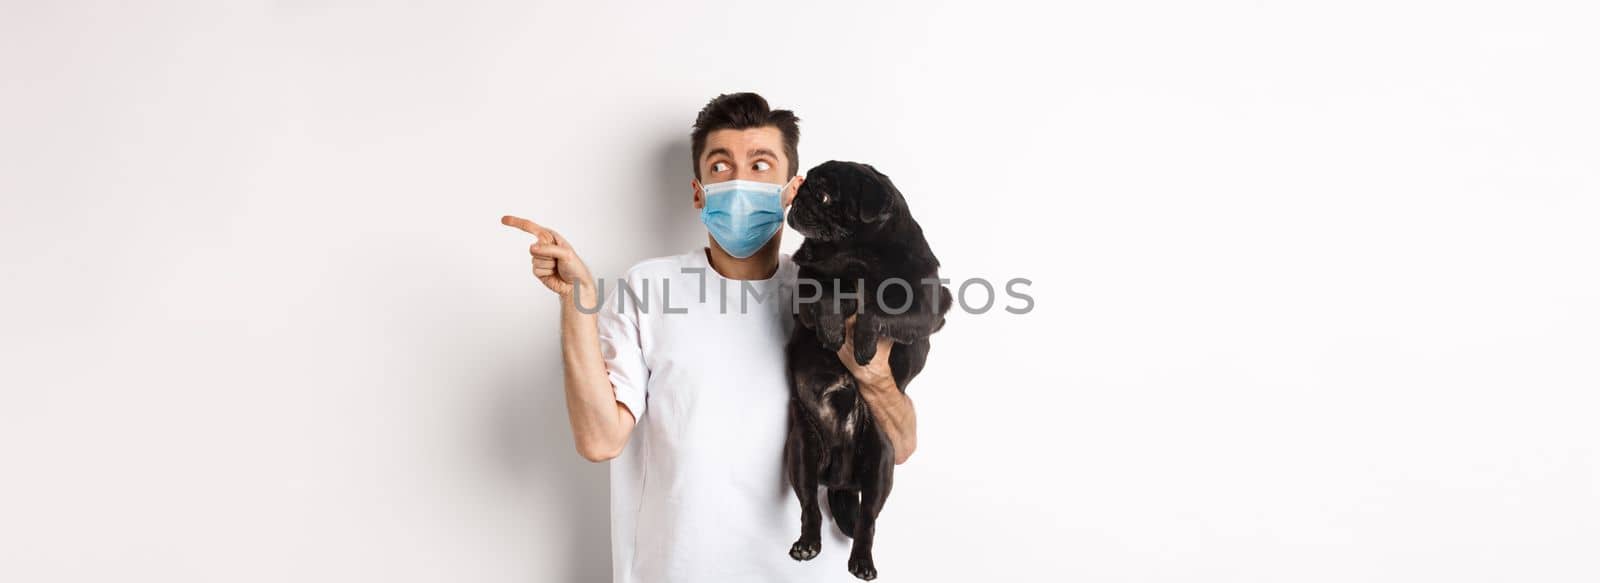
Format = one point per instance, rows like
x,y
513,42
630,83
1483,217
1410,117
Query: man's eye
x,y
762,165
719,167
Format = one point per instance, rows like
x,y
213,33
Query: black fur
x,y
859,234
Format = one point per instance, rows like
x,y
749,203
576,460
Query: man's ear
x,y
793,191
699,194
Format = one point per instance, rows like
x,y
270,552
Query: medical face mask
x,y
743,215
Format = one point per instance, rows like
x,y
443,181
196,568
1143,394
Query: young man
x,y
695,362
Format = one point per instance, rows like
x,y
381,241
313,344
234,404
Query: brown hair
x,y
738,111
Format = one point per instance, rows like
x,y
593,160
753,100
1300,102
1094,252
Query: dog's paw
x,y
865,351
863,568
866,339
806,548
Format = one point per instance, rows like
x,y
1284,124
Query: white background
x,y
1316,287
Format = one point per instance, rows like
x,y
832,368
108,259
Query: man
x,y
691,354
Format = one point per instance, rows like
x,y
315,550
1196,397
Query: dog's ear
x,y
874,204
877,200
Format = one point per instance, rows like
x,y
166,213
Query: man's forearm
x,y
598,424
894,413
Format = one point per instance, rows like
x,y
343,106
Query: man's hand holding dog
x,y
891,408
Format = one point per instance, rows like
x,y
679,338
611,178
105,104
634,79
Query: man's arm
x,y
890,407
894,413
601,424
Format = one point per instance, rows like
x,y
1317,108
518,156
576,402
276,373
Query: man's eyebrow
x,y
754,153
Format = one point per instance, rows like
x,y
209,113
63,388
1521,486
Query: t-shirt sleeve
x,y
623,350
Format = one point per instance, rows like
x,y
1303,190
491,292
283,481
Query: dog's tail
x,y
844,505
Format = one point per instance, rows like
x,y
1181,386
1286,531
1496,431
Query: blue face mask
x,y
743,215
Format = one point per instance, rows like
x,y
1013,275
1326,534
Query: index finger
x,y
526,225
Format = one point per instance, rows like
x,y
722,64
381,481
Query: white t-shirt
x,y
700,494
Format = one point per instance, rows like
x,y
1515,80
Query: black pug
x,y
859,235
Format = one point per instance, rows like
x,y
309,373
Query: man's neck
x,y
762,265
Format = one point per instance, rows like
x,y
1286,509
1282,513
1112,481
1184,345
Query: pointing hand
x,y
554,262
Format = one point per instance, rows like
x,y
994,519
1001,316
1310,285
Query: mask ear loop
x,y
786,187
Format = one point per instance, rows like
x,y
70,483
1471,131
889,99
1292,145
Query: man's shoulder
x,y
665,265
674,265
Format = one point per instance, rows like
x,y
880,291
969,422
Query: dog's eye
x,y
826,198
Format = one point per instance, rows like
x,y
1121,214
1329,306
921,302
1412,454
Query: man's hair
x,y
738,111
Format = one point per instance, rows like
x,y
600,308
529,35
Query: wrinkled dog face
x,y
840,200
